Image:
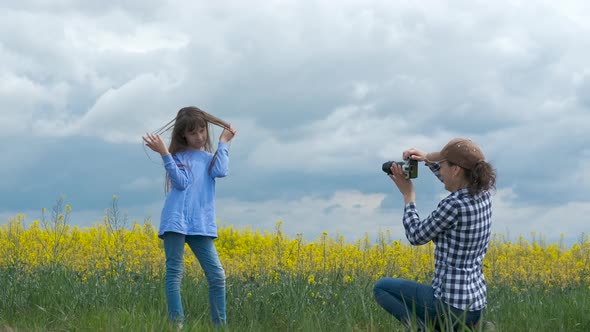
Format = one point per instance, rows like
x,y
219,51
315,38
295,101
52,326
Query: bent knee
x,y
383,283
216,277
379,287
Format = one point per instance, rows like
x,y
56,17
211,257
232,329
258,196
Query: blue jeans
x,y
204,249
406,299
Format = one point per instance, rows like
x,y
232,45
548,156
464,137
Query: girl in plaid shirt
x,y
460,230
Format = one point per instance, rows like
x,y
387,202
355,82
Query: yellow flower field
x,y
245,253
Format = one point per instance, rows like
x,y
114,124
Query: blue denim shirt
x,y
190,205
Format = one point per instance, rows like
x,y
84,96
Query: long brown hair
x,y
188,119
481,178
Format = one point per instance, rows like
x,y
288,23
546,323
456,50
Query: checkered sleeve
x,y
421,232
435,168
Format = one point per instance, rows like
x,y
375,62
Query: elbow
x,y
221,173
415,240
184,185
181,186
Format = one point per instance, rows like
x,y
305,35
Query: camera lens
x,y
387,167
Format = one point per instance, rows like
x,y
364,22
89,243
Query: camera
x,y
409,166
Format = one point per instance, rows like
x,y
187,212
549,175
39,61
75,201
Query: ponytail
x,y
481,178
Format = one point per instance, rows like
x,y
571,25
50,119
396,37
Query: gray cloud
x,y
352,213
318,91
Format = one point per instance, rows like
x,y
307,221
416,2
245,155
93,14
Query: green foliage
x,y
53,298
110,278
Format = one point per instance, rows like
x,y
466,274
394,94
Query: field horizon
x,y
110,278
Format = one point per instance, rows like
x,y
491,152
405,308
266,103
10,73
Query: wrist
x,y
409,198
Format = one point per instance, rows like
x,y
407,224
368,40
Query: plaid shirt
x,y
460,230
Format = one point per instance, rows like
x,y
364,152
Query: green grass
x,y
56,300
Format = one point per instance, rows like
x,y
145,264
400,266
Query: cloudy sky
x,y
321,92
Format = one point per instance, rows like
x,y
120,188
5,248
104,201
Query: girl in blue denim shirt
x,y
188,215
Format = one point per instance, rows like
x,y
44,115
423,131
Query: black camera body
x,y
409,166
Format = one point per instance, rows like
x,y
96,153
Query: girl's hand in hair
x,y
227,134
155,142
415,154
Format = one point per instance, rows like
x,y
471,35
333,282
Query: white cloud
x,y
90,217
349,213
349,139
352,213
547,221
144,183
117,49
23,99
119,115
120,33
364,80
361,90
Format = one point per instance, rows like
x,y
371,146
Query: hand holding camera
x,y
409,167
414,154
